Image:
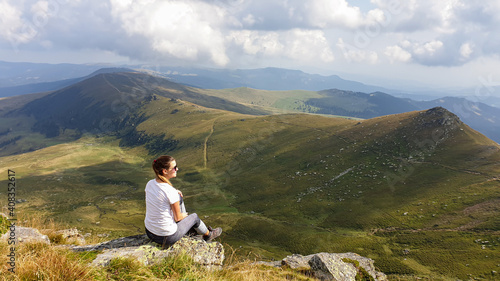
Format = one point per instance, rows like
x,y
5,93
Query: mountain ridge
x,y
108,98
54,85
480,116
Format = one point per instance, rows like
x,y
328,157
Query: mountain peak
x,y
442,115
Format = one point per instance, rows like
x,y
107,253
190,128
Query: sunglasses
x,y
175,168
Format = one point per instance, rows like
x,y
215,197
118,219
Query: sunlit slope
x,y
331,102
277,101
402,170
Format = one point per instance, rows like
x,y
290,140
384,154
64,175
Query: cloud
x,y
352,53
427,49
428,53
397,54
466,50
292,14
331,13
187,30
296,44
449,52
217,32
255,42
421,15
15,27
441,33
11,22
308,46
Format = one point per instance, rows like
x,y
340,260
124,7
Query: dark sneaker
x,y
214,233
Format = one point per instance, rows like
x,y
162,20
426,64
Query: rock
x,y
335,262
26,234
145,254
136,240
332,266
142,249
71,236
208,254
297,262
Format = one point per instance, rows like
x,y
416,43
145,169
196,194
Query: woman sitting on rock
x,y
166,217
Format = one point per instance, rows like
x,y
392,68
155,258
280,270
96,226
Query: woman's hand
x,y
183,216
180,193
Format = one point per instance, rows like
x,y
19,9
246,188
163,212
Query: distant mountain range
x,y
22,73
335,95
265,79
53,85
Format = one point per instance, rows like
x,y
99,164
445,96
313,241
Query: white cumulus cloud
x,y
257,43
181,29
308,45
466,50
397,54
296,44
13,28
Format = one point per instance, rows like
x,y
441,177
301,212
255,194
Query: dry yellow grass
x,y
38,261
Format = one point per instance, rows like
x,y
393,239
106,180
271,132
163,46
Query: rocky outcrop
x,y
142,249
333,266
123,242
323,266
71,236
21,234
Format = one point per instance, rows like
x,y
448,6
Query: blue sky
x,y
444,44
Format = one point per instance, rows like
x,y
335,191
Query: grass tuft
x,y
37,261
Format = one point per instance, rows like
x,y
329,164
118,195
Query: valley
x,y
416,191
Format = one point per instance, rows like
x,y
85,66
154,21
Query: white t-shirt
x,y
159,216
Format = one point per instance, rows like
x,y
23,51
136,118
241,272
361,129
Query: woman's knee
x,y
196,219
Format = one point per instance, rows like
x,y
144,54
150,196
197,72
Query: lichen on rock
x,y
333,266
139,247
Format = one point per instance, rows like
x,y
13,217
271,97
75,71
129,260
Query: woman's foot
x,y
213,233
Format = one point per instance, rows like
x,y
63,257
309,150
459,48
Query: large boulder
x,y
207,254
21,234
139,247
334,266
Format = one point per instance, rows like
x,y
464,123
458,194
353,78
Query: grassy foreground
x,y
37,261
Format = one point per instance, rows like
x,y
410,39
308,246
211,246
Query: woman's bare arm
x,y
176,209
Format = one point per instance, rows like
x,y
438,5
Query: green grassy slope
x,y
331,102
418,191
